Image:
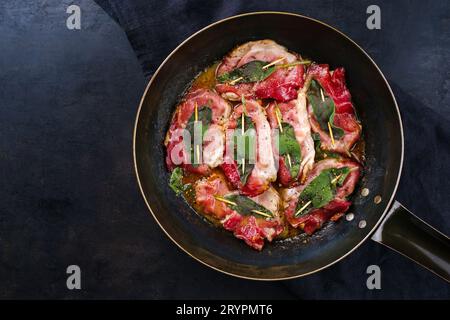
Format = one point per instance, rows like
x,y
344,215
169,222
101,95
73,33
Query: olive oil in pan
x,y
358,151
207,79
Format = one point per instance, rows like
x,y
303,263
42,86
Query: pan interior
x,y
376,109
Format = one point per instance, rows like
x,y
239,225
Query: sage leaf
x,y
324,110
244,146
176,181
250,72
203,120
321,190
245,205
289,148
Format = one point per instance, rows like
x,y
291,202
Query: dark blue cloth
x,y
413,50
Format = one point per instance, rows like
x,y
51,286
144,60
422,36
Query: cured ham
x,y
282,84
310,219
216,199
262,143
295,162
333,85
213,112
252,171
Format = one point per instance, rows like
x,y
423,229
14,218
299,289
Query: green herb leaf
x,y
321,190
323,109
245,151
245,205
250,72
288,145
342,173
176,181
204,118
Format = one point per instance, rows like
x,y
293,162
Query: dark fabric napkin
x,y
412,49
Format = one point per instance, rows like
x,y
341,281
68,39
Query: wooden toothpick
x,y
233,82
273,63
262,213
225,200
331,134
302,208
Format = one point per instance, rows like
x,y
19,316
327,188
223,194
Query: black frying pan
x,y
386,222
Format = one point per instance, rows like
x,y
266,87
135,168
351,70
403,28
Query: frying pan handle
x,y
405,233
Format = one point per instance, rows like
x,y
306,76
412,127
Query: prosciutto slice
x,y
281,85
345,118
213,140
295,114
253,229
333,210
264,169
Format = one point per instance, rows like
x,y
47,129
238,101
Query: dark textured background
x,y
67,106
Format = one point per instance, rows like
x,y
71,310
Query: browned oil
x,y
207,79
358,151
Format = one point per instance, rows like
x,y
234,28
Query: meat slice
x,y
253,229
213,145
334,86
281,85
295,114
206,189
314,219
251,176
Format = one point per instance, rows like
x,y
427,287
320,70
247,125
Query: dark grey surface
x,y
68,193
